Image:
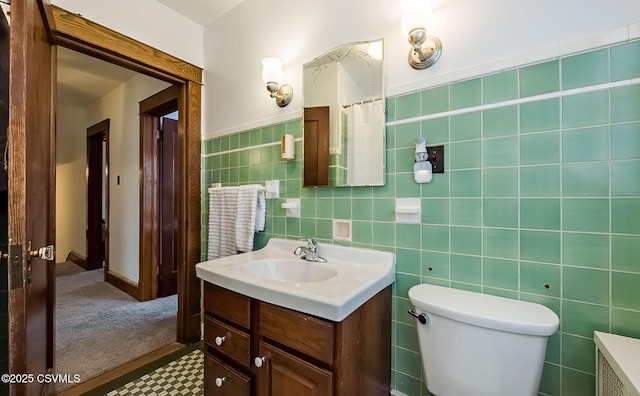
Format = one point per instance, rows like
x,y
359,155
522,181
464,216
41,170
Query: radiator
x,y
617,362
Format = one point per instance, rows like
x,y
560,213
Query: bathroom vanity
x,y
271,330
256,348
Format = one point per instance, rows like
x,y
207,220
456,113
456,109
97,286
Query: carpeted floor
x,y
99,327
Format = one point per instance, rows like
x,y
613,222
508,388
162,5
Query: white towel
x,y
235,214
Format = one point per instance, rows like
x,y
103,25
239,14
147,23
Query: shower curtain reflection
x,y
364,150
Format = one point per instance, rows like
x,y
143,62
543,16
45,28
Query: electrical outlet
x,y
436,157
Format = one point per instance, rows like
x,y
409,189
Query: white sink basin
x,y
290,270
330,290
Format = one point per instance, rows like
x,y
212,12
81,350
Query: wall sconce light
x,y
425,49
272,76
422,169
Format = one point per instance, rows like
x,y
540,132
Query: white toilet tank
x,y
477,344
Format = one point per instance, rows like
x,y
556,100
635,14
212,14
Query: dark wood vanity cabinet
x,y
297,354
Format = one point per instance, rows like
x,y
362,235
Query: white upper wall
x,y
493,33
147,21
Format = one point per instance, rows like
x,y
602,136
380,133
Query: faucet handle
x,y
312,244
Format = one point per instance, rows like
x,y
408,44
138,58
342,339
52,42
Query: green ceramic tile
x,y
244,139
406,135
400,308
553,304
585,144
541,279
391,109
406,185
625,178
585,109
584,284
587,250
405,158
625,290
500,87
625,251
625,104
625,141
466,240
439,186
362,209
361,231
435,211
543,115
466,269
465,94
435,100
501,121
553,348
512,294
577,353
465,155
540,181
501,243
466,126
308,227
324,208
435,238
384,209
625,213
408,385
625,61
436,131
540,246
465,183
270,134
466,211
407,106
341,208
324,229
540,213
585,179
625,323
500,182
500,273
576,383
408,261
390,137
404,282
590,68
279,225
435,264
582,319
384,234
588,215
500,212
550,383
466,286
294,128
540,148
408,235
500,152
293,227
408,362
539,79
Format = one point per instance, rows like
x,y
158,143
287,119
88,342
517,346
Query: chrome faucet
x,y
309,252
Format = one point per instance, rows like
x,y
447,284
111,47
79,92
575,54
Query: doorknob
x,y
46,253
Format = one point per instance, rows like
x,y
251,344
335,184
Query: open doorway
x,y
98,195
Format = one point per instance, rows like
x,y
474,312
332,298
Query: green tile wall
x,y
540,200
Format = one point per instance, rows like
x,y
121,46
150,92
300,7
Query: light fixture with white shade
x,y
425,50
272,76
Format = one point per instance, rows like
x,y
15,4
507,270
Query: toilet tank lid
x,y
485,310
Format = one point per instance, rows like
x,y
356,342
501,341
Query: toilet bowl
x,y
475,344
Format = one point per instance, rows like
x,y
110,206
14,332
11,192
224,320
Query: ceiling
x,y
83,79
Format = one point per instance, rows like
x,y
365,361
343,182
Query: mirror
x,y
344,117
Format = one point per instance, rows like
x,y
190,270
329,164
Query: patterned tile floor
x,y
184,376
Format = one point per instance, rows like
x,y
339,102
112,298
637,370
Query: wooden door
x,y
97,193
168,271
283,374
31,194
316,146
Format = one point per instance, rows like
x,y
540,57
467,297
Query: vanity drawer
x,y
235,383
307,334
228,305
236,344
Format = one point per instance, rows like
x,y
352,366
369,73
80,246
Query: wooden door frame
x,y
102,129
151,109
75,32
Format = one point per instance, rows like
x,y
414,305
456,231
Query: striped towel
x,y
235,214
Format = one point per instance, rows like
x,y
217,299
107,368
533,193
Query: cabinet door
x,y
283,374
222,380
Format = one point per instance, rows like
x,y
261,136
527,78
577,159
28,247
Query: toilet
x,y
475,344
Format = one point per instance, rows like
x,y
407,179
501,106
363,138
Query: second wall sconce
x,y
425,49
272,76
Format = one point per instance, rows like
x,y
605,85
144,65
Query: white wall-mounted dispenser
x,y
287,147
422,169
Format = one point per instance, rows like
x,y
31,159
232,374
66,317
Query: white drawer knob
x,y
220,340
220,381
259,361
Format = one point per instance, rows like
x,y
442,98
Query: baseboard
x,y
122,283
78,259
